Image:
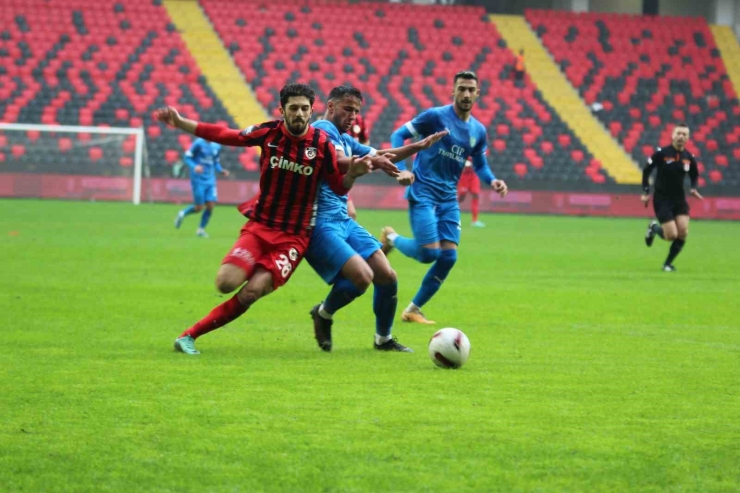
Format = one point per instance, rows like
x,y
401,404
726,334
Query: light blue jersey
x,y
206,154
336,236
331,205
437,170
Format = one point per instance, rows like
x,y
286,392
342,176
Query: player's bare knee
x,y
224,284
248,296
363,277
670,234
385,277
229,278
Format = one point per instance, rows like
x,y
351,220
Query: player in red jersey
x,y
469,183
295,159
357,131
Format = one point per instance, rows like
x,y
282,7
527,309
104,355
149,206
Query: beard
x,y
296,127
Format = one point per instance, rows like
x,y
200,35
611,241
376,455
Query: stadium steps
x,y
729,48
215,62
564,99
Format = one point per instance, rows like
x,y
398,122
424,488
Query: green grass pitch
x,y
590,370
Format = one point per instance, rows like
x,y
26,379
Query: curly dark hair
x,y
296,89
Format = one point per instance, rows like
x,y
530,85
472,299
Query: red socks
x,y
219,316
475,208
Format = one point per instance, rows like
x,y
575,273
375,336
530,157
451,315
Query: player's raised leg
x,y
447,229
424,245
253,259
229,278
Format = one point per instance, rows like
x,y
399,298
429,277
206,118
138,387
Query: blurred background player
x,y
669,200
341,251
470,183
357,131
434,211
519,69
295,160
203,160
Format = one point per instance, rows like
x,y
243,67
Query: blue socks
x,y
435,276
188,210
410,248
385,300
342,294
205,218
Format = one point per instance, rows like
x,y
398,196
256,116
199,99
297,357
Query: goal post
x,y
106,156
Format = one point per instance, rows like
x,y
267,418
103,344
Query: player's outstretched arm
x,y
398,139
357,168
213,133
400,153
383,163
171,117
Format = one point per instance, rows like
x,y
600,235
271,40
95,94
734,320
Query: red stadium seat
x,y
95,153
646,69
520,169
171,156
65,144
17,150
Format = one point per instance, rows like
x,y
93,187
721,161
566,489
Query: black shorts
x,y
667,208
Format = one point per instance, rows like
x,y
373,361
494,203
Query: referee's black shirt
x,y
673,165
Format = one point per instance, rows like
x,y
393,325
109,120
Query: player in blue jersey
x,y
203,160
341,251
434,211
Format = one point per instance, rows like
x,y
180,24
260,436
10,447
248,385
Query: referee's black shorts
x,y
667,208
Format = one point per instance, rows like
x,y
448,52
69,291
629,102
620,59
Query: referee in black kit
x,y
671,209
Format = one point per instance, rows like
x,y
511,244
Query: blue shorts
x,y
333,242
431,223
204,193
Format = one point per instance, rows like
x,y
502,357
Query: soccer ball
x,y
449,348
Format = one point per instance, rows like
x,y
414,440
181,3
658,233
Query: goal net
x,y
59,161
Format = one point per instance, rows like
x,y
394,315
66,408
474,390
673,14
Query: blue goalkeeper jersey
x,y
206,154
437,170
331,205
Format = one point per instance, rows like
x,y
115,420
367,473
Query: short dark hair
x,y
296,89
340,92
682,124
465,75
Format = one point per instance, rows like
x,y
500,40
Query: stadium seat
x,y
101,63
402,57
649,71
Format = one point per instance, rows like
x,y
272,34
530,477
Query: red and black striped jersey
x,y
291,171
